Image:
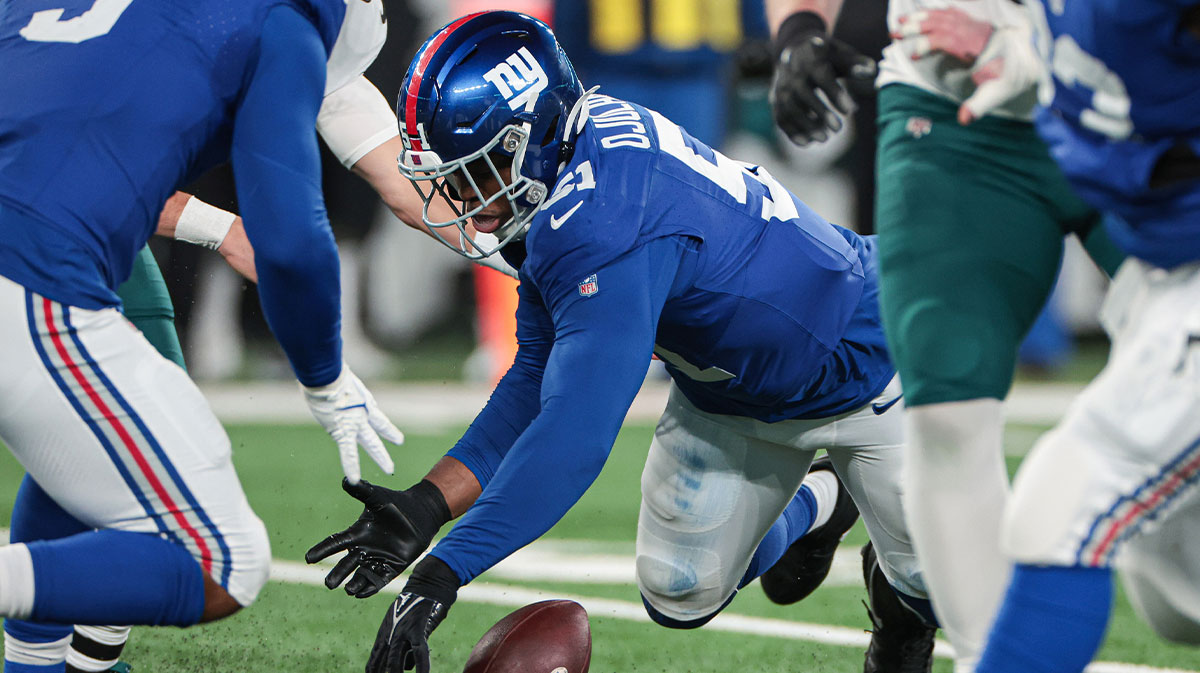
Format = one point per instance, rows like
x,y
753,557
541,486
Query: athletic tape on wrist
x,y
202,224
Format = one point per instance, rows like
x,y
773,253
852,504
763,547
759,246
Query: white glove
x,y
348,412
1008,67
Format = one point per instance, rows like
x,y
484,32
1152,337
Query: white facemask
x,y
363,33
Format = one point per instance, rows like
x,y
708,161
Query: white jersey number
x,y
46,26
1108,113
726,173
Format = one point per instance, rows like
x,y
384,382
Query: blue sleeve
x,y
278,176
515,402
602,346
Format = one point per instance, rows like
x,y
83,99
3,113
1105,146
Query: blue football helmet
x,y
487,89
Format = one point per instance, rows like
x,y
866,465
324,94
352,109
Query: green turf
x,y
291,476
302,629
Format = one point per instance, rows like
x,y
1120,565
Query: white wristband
x,y
202,224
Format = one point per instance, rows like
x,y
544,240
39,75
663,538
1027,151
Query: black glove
x,y
392,531
403,639
808,60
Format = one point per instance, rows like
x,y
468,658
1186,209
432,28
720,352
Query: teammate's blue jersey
x,y
108,106
1127,92
651,241
96,134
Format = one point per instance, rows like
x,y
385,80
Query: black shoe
x,y
805,564
901,641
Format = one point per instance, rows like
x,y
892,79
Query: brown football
x,y
546,637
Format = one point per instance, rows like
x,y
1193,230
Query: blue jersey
x,y
652,242
109,106
1126,103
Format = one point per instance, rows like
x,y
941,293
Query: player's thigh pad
x,y
970,223
867,448
121,438
1128,451
710,492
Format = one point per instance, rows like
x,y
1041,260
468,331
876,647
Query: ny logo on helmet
x,y
520,79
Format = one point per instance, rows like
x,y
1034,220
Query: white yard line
x,y
491,593
436,406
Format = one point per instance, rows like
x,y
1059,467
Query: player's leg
x,y
806,561
1126,455
30,647
867,449
969,245
122,440
718,507
97,648
147,305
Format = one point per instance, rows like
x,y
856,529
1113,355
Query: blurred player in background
x,y
632,237
1115,484
971,212
133,472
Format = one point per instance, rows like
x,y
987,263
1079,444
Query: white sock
x,y
824,487
16,582
102,635
35,654
955,486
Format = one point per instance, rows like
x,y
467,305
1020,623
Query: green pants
x,y
148,306
971,223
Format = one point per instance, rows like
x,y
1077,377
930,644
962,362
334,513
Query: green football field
x,y
291,476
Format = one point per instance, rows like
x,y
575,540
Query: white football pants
x,y
1116,483
714,484
121,438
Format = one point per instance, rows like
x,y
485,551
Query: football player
x,y
971,213
359,127
107,112
633,238
1115,484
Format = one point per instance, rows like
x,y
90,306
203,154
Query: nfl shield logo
x,y
588,287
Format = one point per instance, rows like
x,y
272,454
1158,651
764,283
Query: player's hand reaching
x,y
1003,61
348,412
402,642
816,79
395,527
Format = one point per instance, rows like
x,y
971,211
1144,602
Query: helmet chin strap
x,y
576,119
578,115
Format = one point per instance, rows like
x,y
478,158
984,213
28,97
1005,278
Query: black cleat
x,y
901,640
806,563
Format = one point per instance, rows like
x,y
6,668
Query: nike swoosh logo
x,y
556,222
880,409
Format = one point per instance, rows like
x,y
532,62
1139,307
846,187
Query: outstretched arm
x,y
278,176
602,346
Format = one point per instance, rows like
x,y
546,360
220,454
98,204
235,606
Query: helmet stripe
x,y
414,85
